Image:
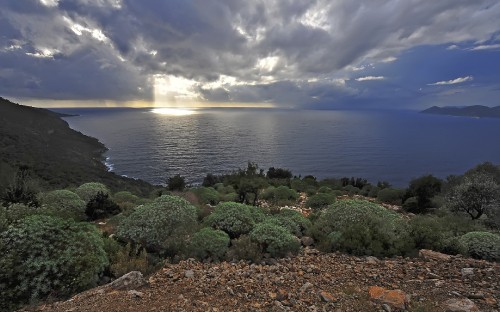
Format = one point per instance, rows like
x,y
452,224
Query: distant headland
x,y
468,111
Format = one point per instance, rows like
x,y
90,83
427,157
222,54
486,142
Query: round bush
x,y
90,190
293,221
390,196
163,225
209,243
235,219
275,239
362,228
320,200
125,197
482,245
64,204
207,195
244,248
43,255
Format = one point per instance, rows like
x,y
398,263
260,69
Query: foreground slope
x,y
57,155
312,281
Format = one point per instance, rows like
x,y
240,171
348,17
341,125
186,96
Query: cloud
x,y
486,47
452,82
370,78
223,50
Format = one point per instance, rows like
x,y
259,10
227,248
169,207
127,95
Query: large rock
x,y
433,255
307,241
129,281
460,305
394,298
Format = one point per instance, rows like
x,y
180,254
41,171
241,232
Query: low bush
x,y
43,255
293,221
319,201
351,190
100,206
275,239
235,219
90,190
209,243
124,259
482,245
244,248
207,195
362,228
64,204
391,196
163,225
126,197
280,195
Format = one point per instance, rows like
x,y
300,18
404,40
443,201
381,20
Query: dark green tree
x,y
176,183
423,188
22,189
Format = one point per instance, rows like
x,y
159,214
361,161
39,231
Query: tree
x,y
477,194
176,183
278,173
423,188
100,206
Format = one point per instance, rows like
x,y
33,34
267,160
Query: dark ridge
x,y
467,111
57,155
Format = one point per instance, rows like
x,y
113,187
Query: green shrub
x,y
89,190
411,204
235,219
124,259
230,197
362,228
43,255
207,195
280,195
244,248
373,193
64,204
319,201
126,197
436,233
275,239
482,245
293,221
209,243
17,212
391,196
324,189
351,190
163,225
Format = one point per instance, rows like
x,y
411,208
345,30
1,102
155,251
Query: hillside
x,y
57,155
312,281
468,111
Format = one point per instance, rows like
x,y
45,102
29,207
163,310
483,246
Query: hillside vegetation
x,y
56,155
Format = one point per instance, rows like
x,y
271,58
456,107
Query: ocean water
x,y
394,146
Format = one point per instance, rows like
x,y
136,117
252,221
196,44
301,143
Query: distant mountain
x,y
57,155
469,111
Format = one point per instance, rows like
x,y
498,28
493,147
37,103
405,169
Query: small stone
x,y
431,275
305,287
135,294
460,305
433,255
467,272
372,260
395,298
306,241
386,307
327,297
128,281
189,274
478,295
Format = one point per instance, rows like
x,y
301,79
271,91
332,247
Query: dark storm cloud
x,y
290,52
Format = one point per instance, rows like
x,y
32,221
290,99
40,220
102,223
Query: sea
x,y
393,146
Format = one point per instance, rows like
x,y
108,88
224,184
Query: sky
x,y
322,54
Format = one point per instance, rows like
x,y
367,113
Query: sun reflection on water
x,y
173,111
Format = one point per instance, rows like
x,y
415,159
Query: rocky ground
x,y
311,281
